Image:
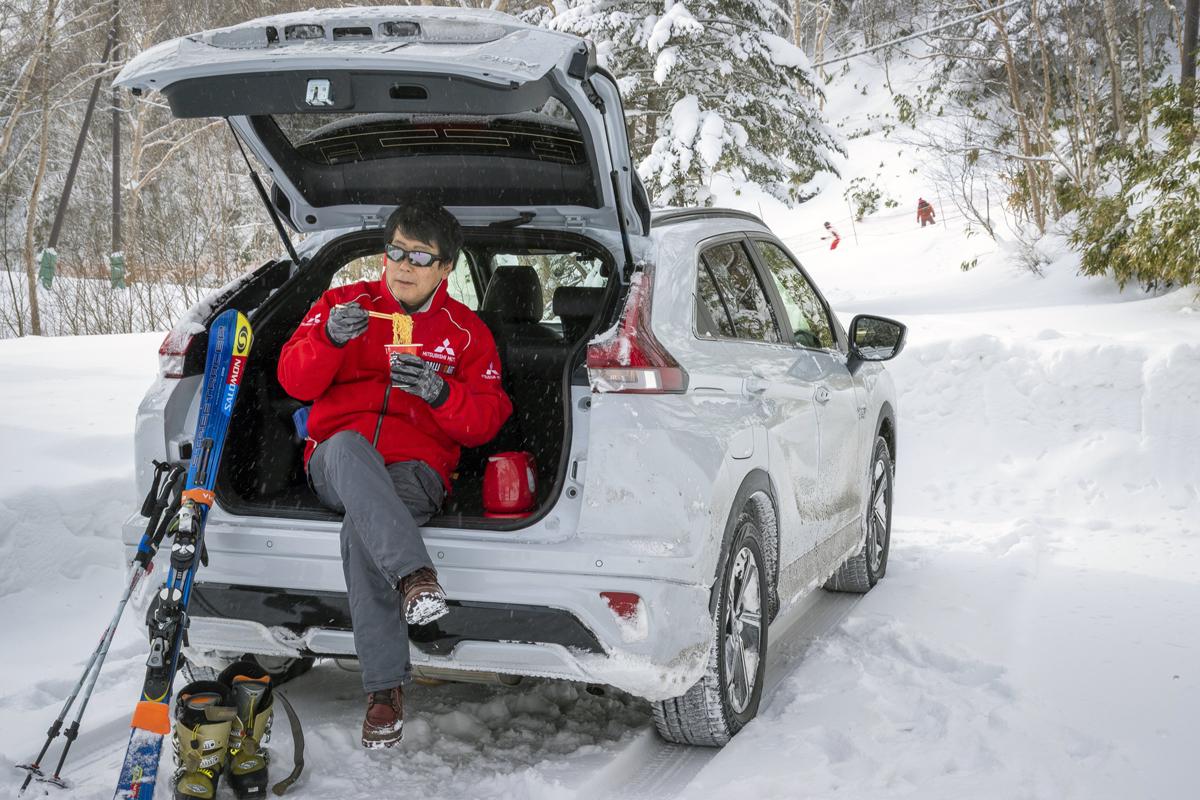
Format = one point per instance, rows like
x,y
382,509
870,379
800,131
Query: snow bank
x,y
1049,424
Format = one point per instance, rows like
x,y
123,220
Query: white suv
x,y
709,443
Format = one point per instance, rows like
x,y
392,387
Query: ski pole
x,y
157,501
35,767
89,675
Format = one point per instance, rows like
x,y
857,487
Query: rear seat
x,y
512,308
531,358
576,306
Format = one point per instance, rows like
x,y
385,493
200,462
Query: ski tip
x,y
243,336
152,716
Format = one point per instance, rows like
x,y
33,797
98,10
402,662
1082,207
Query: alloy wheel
x,y
742,630
877,517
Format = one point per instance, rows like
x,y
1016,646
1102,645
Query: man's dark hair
x,y
427,223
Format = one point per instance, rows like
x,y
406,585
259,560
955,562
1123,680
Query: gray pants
x,y
381,543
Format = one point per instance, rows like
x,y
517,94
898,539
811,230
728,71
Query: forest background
x,y
1073,118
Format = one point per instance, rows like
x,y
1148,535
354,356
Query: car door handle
x,y
755,385
822,395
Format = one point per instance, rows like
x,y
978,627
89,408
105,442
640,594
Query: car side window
x,y
806,314
730,300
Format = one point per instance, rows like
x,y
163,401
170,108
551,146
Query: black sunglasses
x,y
418,258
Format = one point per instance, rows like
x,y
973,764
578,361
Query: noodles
x,y
401,326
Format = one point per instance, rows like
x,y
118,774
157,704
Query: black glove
x,y
346,320
417,376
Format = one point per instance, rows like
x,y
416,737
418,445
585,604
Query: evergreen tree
x,y
1148,230
710,86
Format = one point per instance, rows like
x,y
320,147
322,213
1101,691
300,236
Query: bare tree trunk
x,y
1176,25
1112,39
1187,75
1044,133
819,48
1143,92
20,92
35,318
1032,175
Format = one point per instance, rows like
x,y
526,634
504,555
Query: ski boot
x,y
203,718
250,689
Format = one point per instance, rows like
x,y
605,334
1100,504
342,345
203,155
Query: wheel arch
x,y
886,427
757,491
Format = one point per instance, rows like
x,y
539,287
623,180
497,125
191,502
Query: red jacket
x,y
350,386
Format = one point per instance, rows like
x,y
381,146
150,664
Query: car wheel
x,y
863,570
727,697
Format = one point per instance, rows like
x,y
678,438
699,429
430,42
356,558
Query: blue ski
x,y
229,341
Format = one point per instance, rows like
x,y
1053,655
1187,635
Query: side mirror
x,y
874,339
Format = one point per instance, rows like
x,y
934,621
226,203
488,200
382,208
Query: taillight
x,y
628,358
623,604
171,353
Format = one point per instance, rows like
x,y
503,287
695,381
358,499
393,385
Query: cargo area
x,y
541,294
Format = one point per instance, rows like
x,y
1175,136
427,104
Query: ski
x,y
229,341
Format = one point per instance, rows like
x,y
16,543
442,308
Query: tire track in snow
x,y
653,768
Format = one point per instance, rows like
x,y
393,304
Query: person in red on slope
x,y
384,434
834,234
924,212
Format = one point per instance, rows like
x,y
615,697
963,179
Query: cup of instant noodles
x,y
394,350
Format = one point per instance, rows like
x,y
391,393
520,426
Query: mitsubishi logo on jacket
x,y
445,349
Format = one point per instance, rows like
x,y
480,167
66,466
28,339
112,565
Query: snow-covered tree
x,y
710,86
1143,227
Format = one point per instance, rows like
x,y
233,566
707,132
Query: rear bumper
x,y
316,619
518,608
659,655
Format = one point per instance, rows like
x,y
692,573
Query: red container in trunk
x,y
509,485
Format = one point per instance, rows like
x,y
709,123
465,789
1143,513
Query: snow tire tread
x,y
854,576
700,716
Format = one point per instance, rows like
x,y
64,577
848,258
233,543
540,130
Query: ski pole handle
x,y
151,500
166,500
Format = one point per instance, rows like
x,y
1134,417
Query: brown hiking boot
x,y
424,601
384,724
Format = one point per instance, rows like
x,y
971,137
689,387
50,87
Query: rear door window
x,y
807,315
555,269
731,302
460,285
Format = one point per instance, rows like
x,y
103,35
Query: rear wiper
x,y
525,218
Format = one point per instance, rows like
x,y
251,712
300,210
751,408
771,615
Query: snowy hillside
x,y
1035,636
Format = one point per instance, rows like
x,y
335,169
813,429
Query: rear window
x,y
548,134
531,158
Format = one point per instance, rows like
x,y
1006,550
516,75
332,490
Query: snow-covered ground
x,y
1036,635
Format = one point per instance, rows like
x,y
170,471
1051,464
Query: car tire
x,y
864,569
716,708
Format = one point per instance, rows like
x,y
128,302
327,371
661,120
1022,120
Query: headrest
x,y
514,294
578,301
